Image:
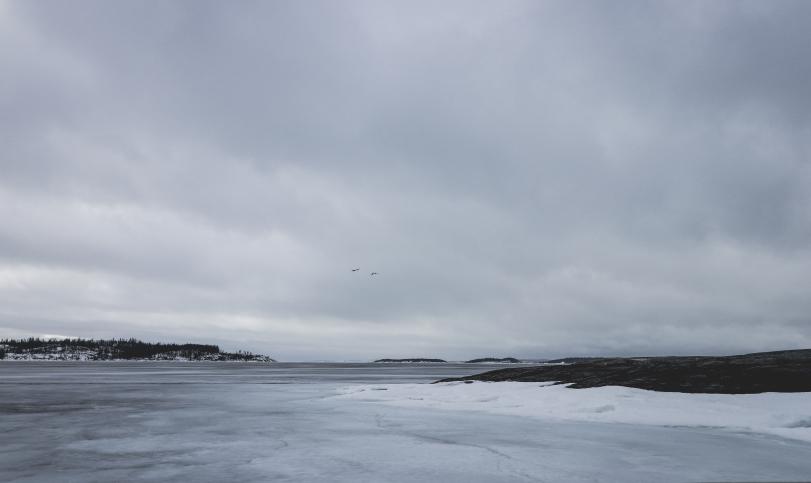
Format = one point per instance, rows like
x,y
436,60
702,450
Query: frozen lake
x,y
118,421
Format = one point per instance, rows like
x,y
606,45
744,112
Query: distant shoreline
x,y
415,360
429,360
83,350
35,361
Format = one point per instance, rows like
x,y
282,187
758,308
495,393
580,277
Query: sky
x,y
530,179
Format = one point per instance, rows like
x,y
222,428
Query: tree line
x,y
118,348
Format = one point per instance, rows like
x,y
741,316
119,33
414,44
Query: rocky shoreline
x,y
781,371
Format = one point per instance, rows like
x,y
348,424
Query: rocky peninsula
x,y
781,371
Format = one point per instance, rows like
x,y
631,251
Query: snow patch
x,y
784,414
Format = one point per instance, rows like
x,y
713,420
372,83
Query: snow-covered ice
x,y
94,422
783,414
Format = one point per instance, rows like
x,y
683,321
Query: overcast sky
x,y
533,179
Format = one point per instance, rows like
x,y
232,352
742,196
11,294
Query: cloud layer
x,y
531,179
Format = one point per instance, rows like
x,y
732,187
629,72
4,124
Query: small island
x,y
35,349
503,360
412,360
781,371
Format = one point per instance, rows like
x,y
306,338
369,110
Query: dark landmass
x,y
411,360
510,360
116,349
782,371
572,360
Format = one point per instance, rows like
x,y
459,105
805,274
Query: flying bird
x,y
355,269
373,273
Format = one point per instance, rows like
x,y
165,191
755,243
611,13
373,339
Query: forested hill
x,y
116,349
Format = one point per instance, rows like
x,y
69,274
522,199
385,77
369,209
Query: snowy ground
x,y
782,414
86,422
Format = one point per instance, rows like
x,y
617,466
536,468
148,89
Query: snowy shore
x,y
783,414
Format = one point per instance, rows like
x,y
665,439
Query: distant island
x,y
505,360
781,371
417,359
35,349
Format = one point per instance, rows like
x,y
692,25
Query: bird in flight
x,y
373,273
355,269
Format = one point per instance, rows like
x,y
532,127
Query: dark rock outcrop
x,y
783,371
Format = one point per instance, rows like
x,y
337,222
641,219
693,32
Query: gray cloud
x,y
535,179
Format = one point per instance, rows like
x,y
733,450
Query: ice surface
x,y
783,414
222,422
